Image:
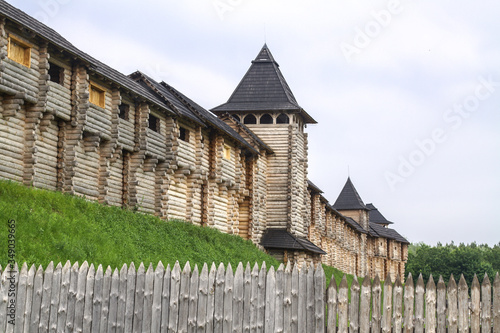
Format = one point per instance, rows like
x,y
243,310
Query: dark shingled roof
x,y
282,239
187,108
377,230
376,216
50,35
313,187
349,198
263,88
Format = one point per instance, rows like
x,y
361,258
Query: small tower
x,y
349,204
264,103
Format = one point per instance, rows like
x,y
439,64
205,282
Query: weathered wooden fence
x,y
82,299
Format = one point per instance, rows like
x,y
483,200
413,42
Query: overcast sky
x,y
406,93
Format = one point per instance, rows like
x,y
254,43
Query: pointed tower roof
x,y
349,198
263,88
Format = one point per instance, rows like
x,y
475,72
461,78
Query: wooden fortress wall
x,y
81,133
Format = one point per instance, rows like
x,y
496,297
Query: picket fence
x,y
84,299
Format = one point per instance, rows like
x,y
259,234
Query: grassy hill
x,y
51,226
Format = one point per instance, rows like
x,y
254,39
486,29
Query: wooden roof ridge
x,y
259,142
349,198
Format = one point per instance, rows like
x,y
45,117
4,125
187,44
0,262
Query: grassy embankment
x,y
51,226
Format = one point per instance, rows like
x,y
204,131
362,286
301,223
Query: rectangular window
x,y
19,51
97,95
124,111
183,134
154,123
56,74
227,152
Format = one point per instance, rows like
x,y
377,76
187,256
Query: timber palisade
x,y
70,123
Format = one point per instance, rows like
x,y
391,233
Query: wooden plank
x,y
441,306
319,299
463,306
387,305
175,282
409,299
452,311
397,299
129,306
364,307
376,305
354,306
331,303
73,286
270,300
295,300
202,300
89,296
54,301
29,299
302,301
238,294
419,305
475,303
46,295
157,292
278,305
113,301
193,301
496,303
287,298
228,299
430,306
21,298
165,300
139,298
211,298
37,300
97,299
343,303
122,301
184,299
148,299
253,298
261,298
5,284
106,291
486,305
219,299
80,296
63,298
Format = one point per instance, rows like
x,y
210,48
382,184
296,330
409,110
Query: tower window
x,y
266,119
97,95
124,111
19,51
154,123
227,152
250,119
183,134
282,119
56,74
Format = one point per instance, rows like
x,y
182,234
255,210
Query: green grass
x,y
51,226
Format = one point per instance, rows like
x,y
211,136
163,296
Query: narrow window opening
x,y
227,152
282,119
154,123
250,119
124,111
184,134
19,51
97,95
236,117
266,119
56,74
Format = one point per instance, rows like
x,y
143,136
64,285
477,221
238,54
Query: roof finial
x,y
348,172
265,32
